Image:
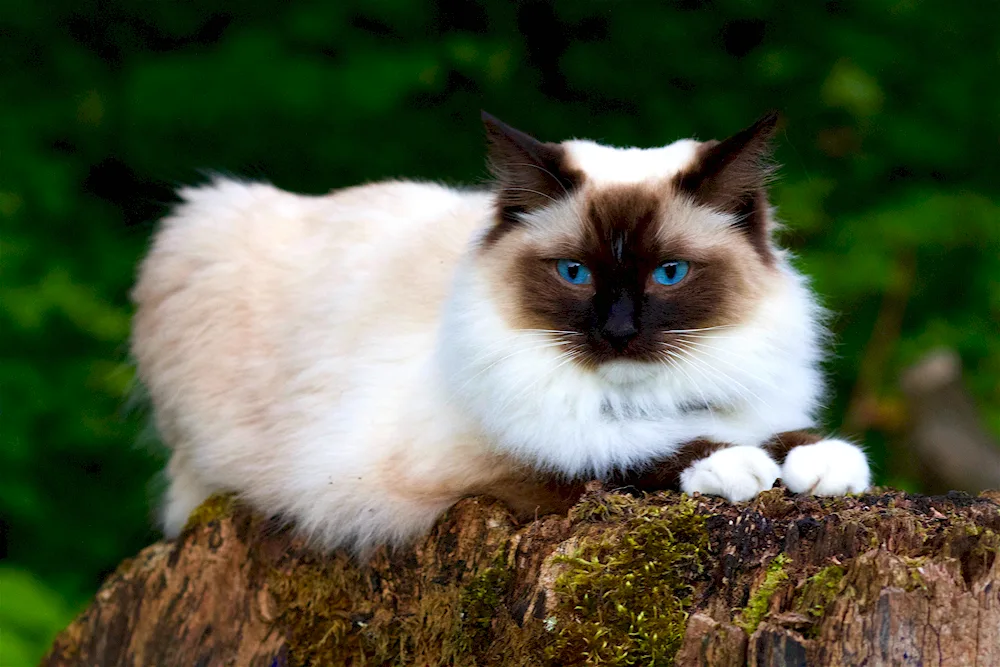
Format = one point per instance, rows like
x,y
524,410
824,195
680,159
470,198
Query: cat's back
x,y
246,285
244,240
230,221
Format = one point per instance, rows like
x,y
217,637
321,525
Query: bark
x,y
878,579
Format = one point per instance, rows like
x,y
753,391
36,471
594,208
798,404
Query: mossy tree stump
x,y
880,579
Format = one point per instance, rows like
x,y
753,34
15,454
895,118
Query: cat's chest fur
x,y
527,396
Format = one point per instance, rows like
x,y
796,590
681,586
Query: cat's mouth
x,y
601,349
624,371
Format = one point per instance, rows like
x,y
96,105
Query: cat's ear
x,y
726,173
528,173
732,176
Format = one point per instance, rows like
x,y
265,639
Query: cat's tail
x,y
185,492
137,407
177,491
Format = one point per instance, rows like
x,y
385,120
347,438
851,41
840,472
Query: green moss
x,y
986,550
773,503
760,600
427,636
323,617
601,507
478,603
214,508
624,596
989,542
819,590
916,579
327,610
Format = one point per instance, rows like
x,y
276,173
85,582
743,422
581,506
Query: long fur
x,y
351,362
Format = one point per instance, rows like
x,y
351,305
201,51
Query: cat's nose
x,y
619,334
619,329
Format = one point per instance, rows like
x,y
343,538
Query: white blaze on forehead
x,y
606,164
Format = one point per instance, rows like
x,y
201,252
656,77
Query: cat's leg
x,y
185,493
819,466
735,472
531,495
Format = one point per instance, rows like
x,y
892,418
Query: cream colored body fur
x,y
340,360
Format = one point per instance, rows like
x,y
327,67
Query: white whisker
x,y
493,364
704,349
541,194
741,388
721,326
676,365
519,350
707,336
566,357
552,331
541,168
542,335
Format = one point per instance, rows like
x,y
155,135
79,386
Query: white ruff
x,y
538,405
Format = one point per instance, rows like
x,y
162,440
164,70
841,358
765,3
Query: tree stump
x,y
876,579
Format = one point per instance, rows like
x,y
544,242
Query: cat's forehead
x,y
602,165
616,218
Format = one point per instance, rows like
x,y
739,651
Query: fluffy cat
x,y
359,361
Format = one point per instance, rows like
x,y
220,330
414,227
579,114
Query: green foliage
x,y
30,615
889,189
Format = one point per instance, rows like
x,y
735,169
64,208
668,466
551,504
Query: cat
x,y
357,362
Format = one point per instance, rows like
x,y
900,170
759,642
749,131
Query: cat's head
x,y
627,255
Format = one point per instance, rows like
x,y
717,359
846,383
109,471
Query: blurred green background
x,y
890,186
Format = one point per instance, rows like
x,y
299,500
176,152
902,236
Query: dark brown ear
x,y
529,173
728,172
732,176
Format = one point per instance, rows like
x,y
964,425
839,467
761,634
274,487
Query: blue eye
x,y
573,272
670,273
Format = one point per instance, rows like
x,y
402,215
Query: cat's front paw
x,y
827,468
735,473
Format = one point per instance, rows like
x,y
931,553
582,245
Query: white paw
x,y
735,473
827,468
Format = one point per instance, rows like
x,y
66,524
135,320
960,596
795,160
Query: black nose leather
x,y
620,337
619,329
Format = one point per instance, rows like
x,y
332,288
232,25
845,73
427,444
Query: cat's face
x,y
629,257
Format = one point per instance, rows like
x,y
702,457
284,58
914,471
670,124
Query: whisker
x,y
544,340
704,349
696,362
542,194
493,364
708,336
552,331
741,388
721,326
505,342
541,168
717,384
566,192
675,364
568,356
540,345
